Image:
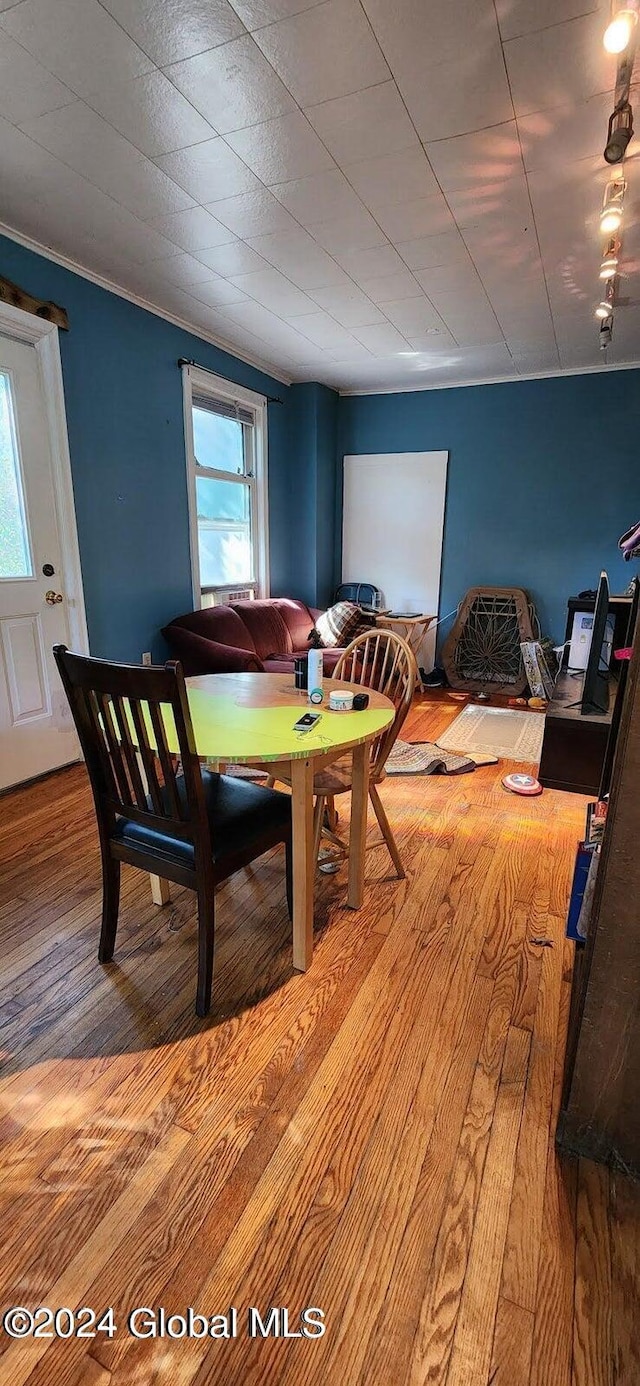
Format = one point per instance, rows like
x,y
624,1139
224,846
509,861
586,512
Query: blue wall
x,y
123,393
544,477
314,432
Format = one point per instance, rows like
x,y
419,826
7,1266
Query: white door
x,y
36,733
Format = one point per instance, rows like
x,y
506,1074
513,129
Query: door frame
x,y
36,332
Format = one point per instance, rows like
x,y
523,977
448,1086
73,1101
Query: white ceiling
x,y
374,194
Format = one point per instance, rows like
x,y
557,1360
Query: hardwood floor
x,y
374,1137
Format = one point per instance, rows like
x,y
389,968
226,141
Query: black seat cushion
x,y
241,815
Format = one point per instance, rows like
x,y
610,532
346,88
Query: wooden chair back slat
x,y
129,752
382,660
164,756
147,756
87,708
115,750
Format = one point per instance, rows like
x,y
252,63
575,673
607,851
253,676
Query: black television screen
x,y
595,689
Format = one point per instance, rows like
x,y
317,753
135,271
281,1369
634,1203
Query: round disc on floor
x,y
522,784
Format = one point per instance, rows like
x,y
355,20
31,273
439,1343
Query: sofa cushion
x,y
200,656
266,627
299,620
220,623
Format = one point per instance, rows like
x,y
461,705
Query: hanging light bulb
x,y
605,307
609,267
617,34
612,207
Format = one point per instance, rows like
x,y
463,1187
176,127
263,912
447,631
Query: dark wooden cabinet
x,y
600,1113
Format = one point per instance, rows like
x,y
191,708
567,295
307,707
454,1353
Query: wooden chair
x,y
195,828
382,660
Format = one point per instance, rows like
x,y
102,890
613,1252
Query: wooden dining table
x,y
249,719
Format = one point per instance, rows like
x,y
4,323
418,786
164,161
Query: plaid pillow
x,y
338,626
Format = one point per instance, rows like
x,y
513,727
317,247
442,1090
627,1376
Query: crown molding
x,y
495,380
258,363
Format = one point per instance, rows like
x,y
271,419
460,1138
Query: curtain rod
x,y
184,361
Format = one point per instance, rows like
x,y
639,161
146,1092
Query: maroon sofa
x,y
245,637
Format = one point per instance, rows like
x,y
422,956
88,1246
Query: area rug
x,y
425,758
502,731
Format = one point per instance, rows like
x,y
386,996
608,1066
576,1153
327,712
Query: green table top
x,y
250,717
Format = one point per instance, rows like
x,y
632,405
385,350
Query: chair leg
x,y
206,930
288,867
386,831
110,906
331,813
318,817
270,781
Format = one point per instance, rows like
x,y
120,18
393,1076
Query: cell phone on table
x,y
307,721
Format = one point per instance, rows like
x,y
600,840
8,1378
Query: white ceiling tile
x,y
460,96
26,88
416,36
371,263
253,214
492,204
194,230
386,288
471,331
355,352
232,86
382,340
400,177
169,32
151,113
322,329
300,257
547,135
365,124
282,149
209,171
424,216
256,13
274,291
556,66
218,292
432,342
427,251
486,156
324,52
322,197
358,231
349,306
517,17
415,315
536,360
459,278
256,318
77,41
84,141
234,257
183,270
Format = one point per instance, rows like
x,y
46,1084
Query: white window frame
x,y
201,382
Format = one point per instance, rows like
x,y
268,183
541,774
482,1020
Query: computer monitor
x,y
595,689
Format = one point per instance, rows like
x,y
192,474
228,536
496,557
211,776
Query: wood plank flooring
x,y
374,1137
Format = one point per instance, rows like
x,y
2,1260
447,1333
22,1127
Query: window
x,y
15,556
226,458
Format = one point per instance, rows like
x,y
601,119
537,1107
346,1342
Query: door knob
x,y
52,598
